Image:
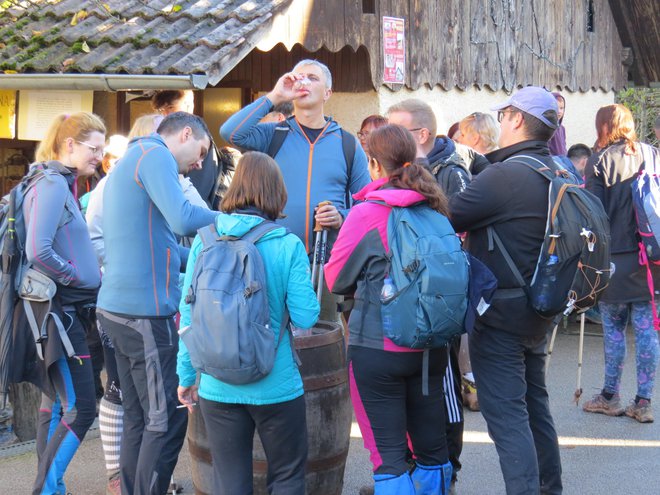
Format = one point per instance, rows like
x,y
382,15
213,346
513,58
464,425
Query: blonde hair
x,y
77,126
145,125
484,126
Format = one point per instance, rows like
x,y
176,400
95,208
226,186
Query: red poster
x,y
394,50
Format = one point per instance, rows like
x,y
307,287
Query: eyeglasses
x,y
500,114
94,149
416,129
363,135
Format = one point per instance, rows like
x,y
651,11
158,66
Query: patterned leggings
x,y
615,318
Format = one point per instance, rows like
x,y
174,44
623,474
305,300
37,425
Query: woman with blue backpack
x,y
244,399
618,160
396,393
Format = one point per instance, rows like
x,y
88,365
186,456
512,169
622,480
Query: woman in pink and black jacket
x,y
386,380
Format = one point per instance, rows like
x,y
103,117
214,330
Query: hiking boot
x,y
599,404
641,411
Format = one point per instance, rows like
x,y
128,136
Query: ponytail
x,y
395,149
417,178
77,126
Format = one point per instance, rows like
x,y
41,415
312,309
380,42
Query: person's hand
x,y
286,89
188,396
328,217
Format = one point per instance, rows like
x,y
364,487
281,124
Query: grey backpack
x,y
230,337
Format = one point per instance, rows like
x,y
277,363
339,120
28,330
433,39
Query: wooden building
x,y
460,56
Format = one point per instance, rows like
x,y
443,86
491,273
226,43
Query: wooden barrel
x,y
329,413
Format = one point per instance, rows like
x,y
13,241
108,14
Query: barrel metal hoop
x,y
326,380
261,466
318,340
199,453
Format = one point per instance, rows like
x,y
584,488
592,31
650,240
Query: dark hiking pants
x,y
282,429
154,429
510,374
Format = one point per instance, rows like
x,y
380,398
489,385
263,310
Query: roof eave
x,y
102,82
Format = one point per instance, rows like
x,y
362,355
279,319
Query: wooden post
x,y
25,399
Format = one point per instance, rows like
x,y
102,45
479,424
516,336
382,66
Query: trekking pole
x,y
578,389
320,246
551,346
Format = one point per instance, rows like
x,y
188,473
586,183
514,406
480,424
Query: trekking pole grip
x,y
317,226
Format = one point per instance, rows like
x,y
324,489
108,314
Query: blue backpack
x,y
646,203
230,337
430,273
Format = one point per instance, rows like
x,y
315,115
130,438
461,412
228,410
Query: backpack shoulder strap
x,y
535,164
348,148
493,237
279,135
258,231
648,159
208,235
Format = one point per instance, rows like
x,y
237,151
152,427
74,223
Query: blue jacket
x,y
288,275
143,207
313,172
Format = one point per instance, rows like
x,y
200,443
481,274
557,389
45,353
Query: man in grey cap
x,y
507,204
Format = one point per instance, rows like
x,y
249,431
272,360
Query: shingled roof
x,y
137,37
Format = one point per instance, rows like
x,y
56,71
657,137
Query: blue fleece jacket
x,y
143,207
313,172
287,273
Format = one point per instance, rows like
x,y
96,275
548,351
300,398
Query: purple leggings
x,y
615,318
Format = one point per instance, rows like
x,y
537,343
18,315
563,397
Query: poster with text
x,y
37,109
7,114
394,50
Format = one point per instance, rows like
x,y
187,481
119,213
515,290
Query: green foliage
x,y
644,103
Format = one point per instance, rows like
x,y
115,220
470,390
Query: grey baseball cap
x,y
533,100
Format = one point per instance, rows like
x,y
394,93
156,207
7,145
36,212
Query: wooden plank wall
x,y
499,44
261,70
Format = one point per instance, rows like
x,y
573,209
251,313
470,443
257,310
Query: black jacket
x,y
447,166
513,199
609,175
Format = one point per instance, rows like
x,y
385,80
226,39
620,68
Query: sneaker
x,y
641,411
599,404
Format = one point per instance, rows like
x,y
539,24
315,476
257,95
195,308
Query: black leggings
x,y
386,391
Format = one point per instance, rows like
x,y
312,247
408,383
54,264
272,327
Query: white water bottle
x,y
388,291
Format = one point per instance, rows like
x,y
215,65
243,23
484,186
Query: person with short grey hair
x,y
319,160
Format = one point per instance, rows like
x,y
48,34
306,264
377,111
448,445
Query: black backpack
x,y
347,145
18,282
573,267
